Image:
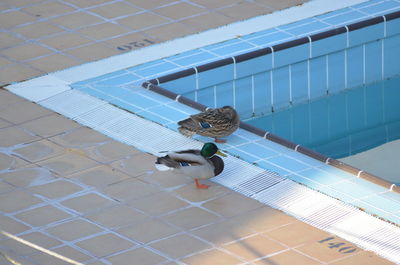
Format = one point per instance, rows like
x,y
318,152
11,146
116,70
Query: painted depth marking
x,y
49,252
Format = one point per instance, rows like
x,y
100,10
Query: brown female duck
x,y
216,123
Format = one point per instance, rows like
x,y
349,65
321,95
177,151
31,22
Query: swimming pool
x,y
342,124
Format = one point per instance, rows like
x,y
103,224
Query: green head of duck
x,y
210,149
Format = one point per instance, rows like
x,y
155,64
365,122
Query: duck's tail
x,y
165,163
187,127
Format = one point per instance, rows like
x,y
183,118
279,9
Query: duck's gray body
x,y
191,163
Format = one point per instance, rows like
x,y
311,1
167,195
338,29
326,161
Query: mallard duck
x,y
198,164
216,123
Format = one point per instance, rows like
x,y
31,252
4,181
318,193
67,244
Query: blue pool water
x,y
341,124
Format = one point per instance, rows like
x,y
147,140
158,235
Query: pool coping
x,y
154,85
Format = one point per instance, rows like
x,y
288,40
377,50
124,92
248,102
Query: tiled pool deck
x,y
87,197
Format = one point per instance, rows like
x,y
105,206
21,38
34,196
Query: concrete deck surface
x,y
92,200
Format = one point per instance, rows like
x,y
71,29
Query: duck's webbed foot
x,y
219,140
199,185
